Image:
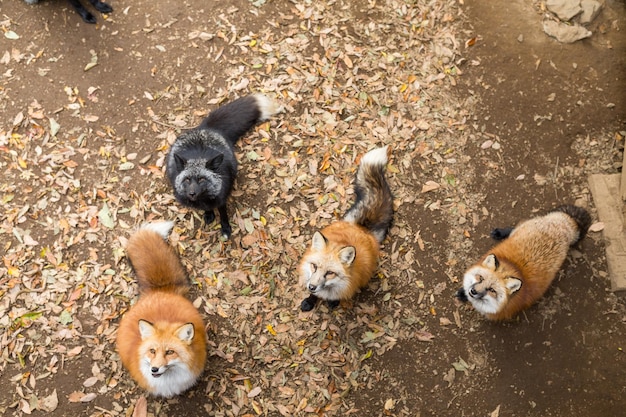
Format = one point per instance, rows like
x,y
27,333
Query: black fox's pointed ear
x,y
146,329
180,162
347,255
318,242
491,262
215,163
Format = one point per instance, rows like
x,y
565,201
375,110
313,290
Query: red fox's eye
x,y
492,291
329,274
153,351
169,352
313,267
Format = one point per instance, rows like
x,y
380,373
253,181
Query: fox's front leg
x,y
308,303
226,229
209,216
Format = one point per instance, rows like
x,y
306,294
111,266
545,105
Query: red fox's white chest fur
x,y
517,272
341,259
161,339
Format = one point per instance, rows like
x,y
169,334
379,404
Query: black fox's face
x,y
198,178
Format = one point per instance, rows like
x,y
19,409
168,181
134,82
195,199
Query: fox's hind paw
x,y
501,233
332,304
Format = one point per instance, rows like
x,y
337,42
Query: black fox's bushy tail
x,y
234,119
156,263
373,207
580,216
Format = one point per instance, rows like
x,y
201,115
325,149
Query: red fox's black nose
x,y
312,287
473,292
154,370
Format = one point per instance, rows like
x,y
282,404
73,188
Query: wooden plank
x,y
622,187
605,190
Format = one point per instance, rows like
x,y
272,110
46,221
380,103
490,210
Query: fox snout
x,y
193,192
476,294
313,287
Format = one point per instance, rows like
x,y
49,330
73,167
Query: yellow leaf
x,y
22,163
270,329
366,356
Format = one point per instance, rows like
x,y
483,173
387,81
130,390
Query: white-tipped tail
x,y
376,156
162,228
267,106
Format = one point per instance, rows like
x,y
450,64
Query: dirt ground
x,y
489,120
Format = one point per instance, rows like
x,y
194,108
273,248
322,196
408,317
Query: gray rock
x,y
591,9
565,33
564,9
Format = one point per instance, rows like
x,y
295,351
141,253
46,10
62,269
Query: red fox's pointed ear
x,y
513,284
491,262
319,241
186,332
146,329
347,255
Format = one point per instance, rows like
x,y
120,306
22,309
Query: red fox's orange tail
x,y
373,207
156,264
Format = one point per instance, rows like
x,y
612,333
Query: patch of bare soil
x,y
489,121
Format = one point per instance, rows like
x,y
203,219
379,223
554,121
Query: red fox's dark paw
x,y
461,295
501,233
332,304
308,303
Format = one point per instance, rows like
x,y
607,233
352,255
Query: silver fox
x,y
201,164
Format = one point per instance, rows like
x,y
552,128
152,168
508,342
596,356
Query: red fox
x,y
161,340
344,255
516,273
